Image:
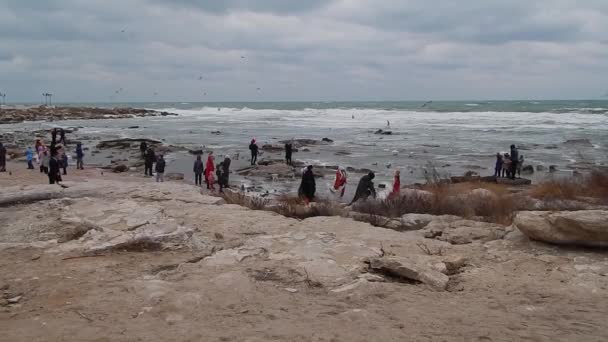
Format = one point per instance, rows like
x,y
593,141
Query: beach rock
x,y
419,221
132,127
273,147
196,152
342,153
528,169
412,269
552,168
303,142
327,140
579,142
540,168
174,176
125,143
461,232
382,132
583,228
120,168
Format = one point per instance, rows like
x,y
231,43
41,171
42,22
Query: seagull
x,y
258,88
200,78
426,103
242,56
122,31
155,93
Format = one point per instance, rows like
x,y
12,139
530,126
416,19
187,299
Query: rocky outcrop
x,y
461,232
582,228
417,268
15,115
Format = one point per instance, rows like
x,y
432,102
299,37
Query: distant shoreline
x,y
53,113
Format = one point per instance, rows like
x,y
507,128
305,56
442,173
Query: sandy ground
x,y
510,290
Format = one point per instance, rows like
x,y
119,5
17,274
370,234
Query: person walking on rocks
x,y
288,152
149,160
210,171
160,169
514,160
29,156
506,166
2,158
365,188
45,162
64,162
79,157
54,171
253,147
308,186
340,182
198,169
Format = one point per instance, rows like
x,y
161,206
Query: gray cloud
x,y
303,50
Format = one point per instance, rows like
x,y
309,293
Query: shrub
x,y
593,185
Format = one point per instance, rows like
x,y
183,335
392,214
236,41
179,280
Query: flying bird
x,y
242,57
200,78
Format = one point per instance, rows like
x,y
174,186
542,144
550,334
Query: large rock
x,y
415,268
583,227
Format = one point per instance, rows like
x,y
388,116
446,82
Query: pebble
x,y
292,290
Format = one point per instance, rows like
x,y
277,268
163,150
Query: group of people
x,y
213,173
509,165
365,188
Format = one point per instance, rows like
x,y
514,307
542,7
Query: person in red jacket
x,y
340,183
210,171
396,185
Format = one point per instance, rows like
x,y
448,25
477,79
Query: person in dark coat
x,y
160,169
143,147
79,157
54,171
308,186
226,171
53,136
64,163
198,169
514,160
62,136
254,151
149,160
288,152
219,173
365,188
2,158
498,166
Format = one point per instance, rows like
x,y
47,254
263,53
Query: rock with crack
x,y
415,268
419,221
583,228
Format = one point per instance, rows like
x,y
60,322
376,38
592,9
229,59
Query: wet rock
x,y
196,152
327,140
174,176
582,228
528,169
578,142
120,168
132,127
342,153
125,143
411,269
273,147
540,168
382,132
552,168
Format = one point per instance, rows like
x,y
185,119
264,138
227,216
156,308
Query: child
x,y
498,166
79,157
29,156
506,166
44,164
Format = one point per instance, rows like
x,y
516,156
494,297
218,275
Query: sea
x,y
452,137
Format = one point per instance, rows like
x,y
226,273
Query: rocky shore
x,y
52,113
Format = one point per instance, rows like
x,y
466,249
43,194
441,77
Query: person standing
x,y
219,171
149,160
45,162
506,165
365,188
143,147
160,169
62,136
29,156
210,171
498,165
53,137
253,147
64,162
288,152
79,157
520,164
514,160
340,182
226,171
54,172
396,185
198,169
308,186
2,158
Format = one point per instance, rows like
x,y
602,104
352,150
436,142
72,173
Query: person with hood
x,y
160,169
514,160
29,156
498,166
226,171
288,152
143,147
54,171
396,185
210,171
340,182
45,162
308,186
54,136
149,160
79,157
365,188
2,158
198,169
253,147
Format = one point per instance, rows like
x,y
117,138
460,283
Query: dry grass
x,y
251,202
594,185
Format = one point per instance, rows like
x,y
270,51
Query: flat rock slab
x,y
413,269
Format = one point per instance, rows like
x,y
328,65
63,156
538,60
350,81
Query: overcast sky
x,y
85,50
